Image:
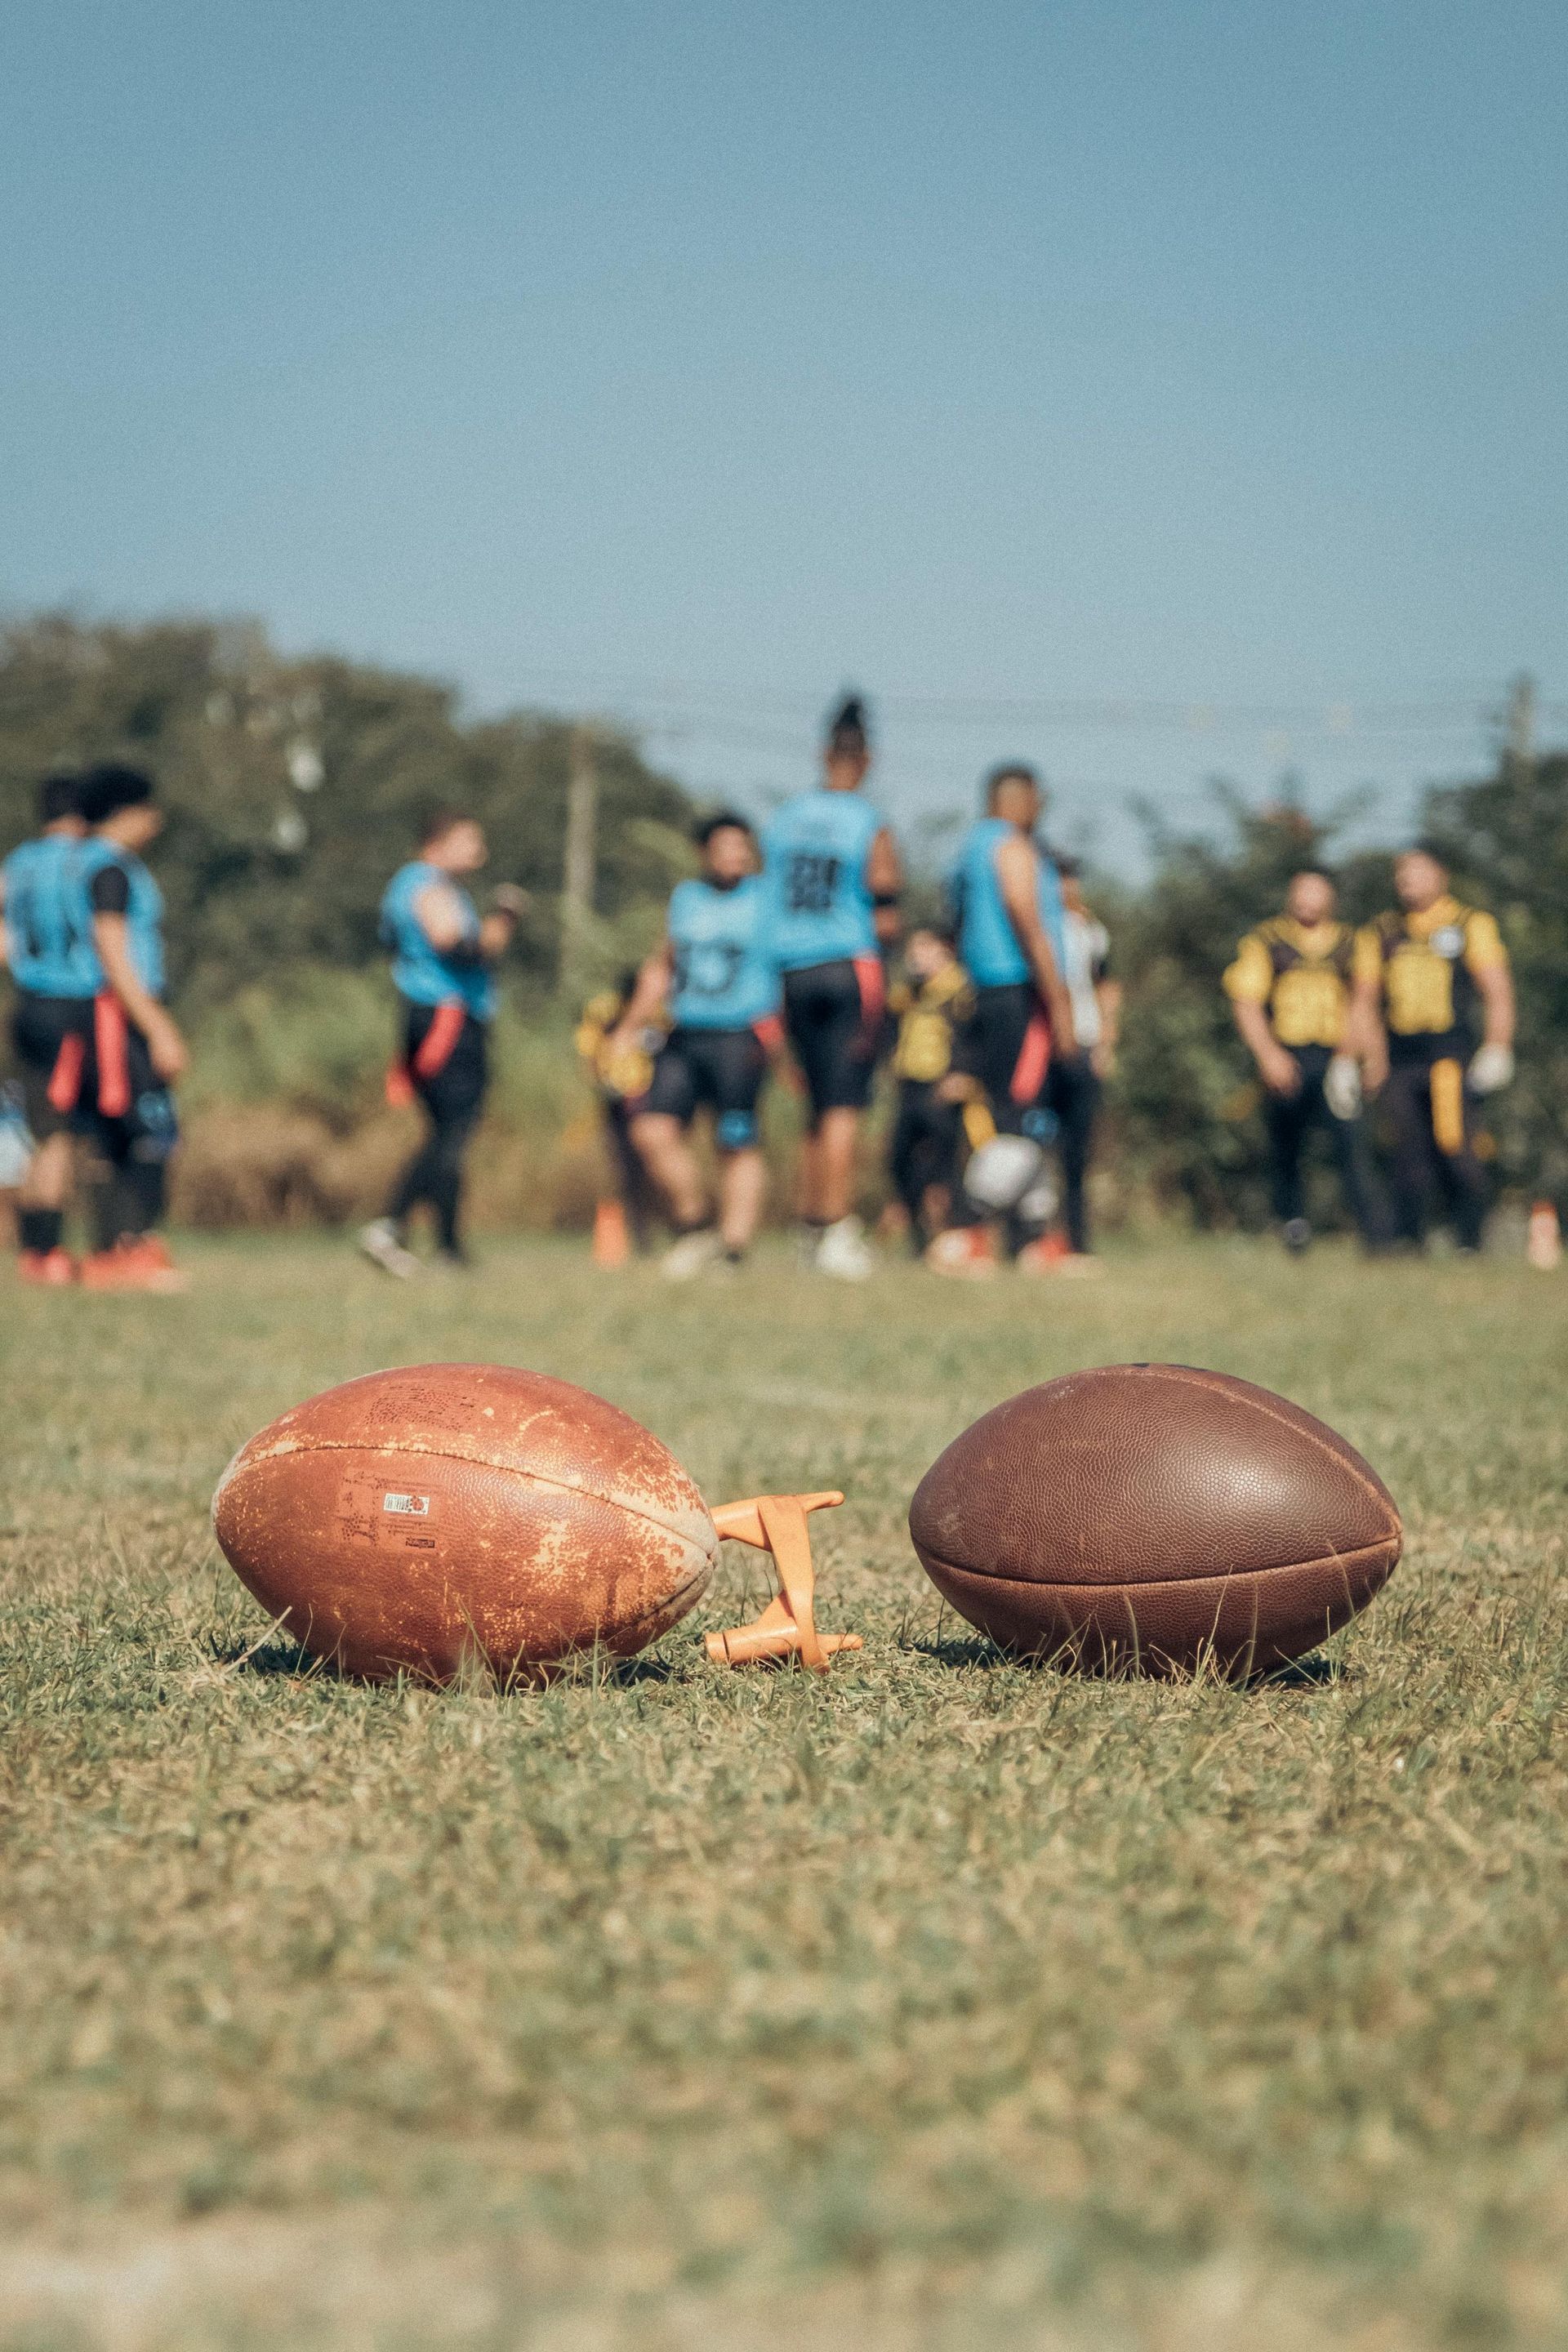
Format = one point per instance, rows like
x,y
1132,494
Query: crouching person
x,y
715,976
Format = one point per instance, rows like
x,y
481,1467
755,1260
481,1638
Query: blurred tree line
x,y
296,787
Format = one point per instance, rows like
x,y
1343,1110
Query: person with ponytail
x,y
835,879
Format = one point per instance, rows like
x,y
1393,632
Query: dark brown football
x,y
412,1520
1151,1516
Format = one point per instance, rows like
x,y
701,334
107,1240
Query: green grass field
x,y
953,2004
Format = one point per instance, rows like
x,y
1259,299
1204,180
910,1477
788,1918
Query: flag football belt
x,y
111,1053
1034,1060
1448,1108
872,983
435,1050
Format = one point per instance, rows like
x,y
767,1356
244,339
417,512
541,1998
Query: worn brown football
x,y
412,1520
1154,1516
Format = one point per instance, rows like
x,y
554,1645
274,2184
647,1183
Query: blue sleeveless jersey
x,y
420,972
49,944
143,912
725,976
821,909
988,944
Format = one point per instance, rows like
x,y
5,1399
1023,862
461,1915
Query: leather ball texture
x,y
1153,1518
413,1521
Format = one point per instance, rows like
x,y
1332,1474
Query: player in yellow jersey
x,y
1433,985
1290,991
933,1005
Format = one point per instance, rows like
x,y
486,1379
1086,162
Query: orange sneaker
x,y
1047,1255
138,1261
50,1269
963,1252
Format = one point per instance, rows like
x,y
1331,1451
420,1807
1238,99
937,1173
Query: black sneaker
x,y
1297,1235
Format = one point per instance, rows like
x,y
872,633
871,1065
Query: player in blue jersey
x,y
443,959
834,883
51,962
135,1052
715,976
1007,904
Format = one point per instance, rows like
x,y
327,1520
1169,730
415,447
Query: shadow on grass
x,y
1313,1672
290,1661
287,1659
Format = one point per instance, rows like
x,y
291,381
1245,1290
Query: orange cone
x,y
611,1245
1544,1247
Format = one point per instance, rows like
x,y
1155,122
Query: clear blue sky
x,y
685,361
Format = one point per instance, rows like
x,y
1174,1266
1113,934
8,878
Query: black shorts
x,y
832,1014
1010,1048
40,1025
455,1091
722,1068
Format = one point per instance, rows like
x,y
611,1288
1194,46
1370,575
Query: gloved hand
x,y
1342,1087
1492,1066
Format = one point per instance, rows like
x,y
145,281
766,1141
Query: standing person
x,y
934,1004
1289,989
49,950
443,959
136,1055
1075,1080
1432,984
1011,942
715,974
834,881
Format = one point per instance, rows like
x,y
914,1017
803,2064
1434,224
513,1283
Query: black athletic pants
x,y
452,1097
1072,1091
923,1149
1291,1118
1434,1150
1008,1049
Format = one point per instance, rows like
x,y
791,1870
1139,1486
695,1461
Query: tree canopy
x,y
294,788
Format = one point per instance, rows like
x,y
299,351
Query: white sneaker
x,y
692,1254
379,1243
843,1252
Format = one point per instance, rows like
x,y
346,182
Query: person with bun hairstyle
x,y
444,957
835,879
714,975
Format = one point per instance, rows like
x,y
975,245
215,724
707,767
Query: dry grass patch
x,y
951,2004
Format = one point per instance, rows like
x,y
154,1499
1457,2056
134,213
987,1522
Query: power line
x,y
732,713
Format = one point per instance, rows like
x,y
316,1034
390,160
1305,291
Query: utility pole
x,y
577,873
1521,736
